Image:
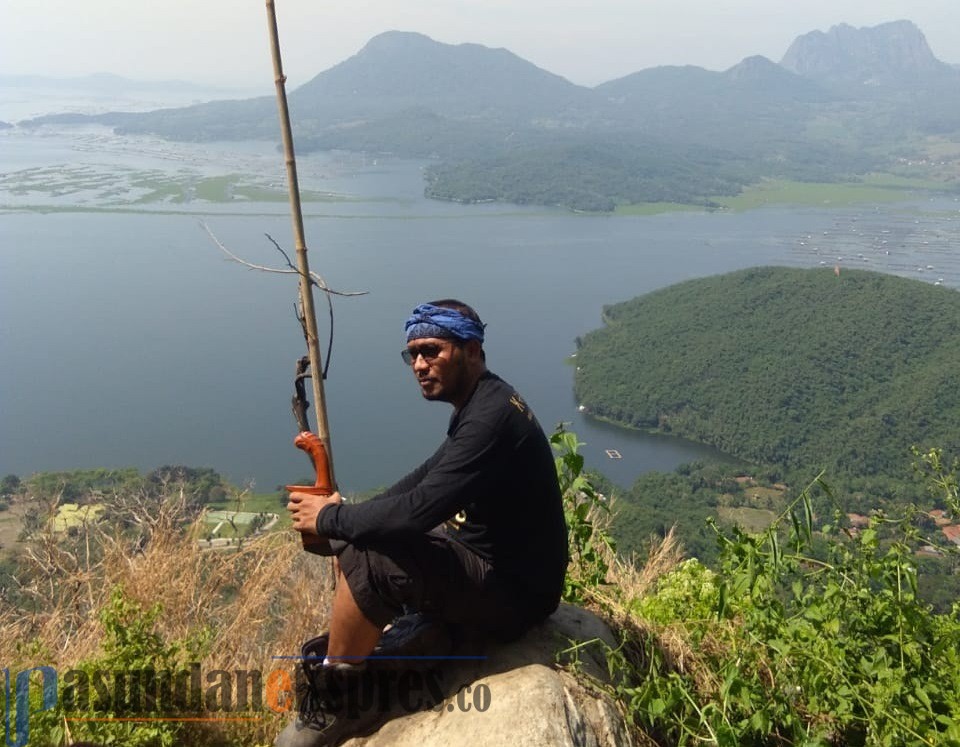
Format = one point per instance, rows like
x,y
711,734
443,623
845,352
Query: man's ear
x,y
474,350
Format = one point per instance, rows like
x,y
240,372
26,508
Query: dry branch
x,y
315,278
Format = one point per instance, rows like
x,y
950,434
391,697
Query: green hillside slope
x,y
799,368
841,107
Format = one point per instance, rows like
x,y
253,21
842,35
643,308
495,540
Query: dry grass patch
x,y
241,607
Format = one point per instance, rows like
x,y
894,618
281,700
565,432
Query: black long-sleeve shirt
x,y
492,481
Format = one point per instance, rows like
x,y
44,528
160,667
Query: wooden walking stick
x,y
316,445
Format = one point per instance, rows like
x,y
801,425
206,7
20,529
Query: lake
x,y
127,338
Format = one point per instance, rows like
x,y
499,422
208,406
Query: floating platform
x,y
614,454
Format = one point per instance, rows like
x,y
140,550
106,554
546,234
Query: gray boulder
x,y
517,695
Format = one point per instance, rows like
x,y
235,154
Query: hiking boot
x,y
316,724
322,691
320,728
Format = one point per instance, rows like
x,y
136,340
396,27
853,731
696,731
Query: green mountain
x,y
841,104
396,77
755,98
798,368
397,71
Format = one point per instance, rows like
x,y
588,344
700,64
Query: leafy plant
x,y
802,647
591,546
940,476
102,696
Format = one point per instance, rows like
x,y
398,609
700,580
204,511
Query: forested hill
x,y
800,368
841,105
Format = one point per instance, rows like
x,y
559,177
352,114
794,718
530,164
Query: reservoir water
x,y
127,338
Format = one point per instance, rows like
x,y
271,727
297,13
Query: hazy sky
x,y
588,41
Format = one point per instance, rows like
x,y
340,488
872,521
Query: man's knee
x,y
381,583
347,558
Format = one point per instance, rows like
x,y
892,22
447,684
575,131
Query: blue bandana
x,y
436,321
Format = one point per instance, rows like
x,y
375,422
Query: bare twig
x,y
315,279
279,249
303,322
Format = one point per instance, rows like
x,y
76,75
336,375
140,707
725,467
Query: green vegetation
x,y
83,485
689,501
204,484
93,187
65,502
682,501
876,188
9,487
792,650
654,208
793,371
586,513
806,632
613,172
131,643
587,176
795,368
798,636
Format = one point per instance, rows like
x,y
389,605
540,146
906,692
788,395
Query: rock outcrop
x,y
518,695
894,53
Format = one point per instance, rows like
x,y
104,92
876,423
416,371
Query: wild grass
x,y
241,606
818,194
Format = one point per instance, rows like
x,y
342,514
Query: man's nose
x,y
420,363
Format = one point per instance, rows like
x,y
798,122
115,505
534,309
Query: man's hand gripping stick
x,y
313,446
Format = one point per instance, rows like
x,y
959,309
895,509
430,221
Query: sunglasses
x,y
430,352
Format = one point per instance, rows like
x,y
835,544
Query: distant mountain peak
x,y
891,53
398,70
756,67
766,78
392,40
395,43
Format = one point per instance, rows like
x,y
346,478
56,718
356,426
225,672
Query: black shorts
x,y
434,574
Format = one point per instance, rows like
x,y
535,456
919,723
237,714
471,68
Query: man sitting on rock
x,y
475,535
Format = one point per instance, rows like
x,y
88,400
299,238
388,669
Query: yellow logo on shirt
x,y
457,521
517,401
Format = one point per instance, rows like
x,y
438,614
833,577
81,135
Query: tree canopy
x,y
797,368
